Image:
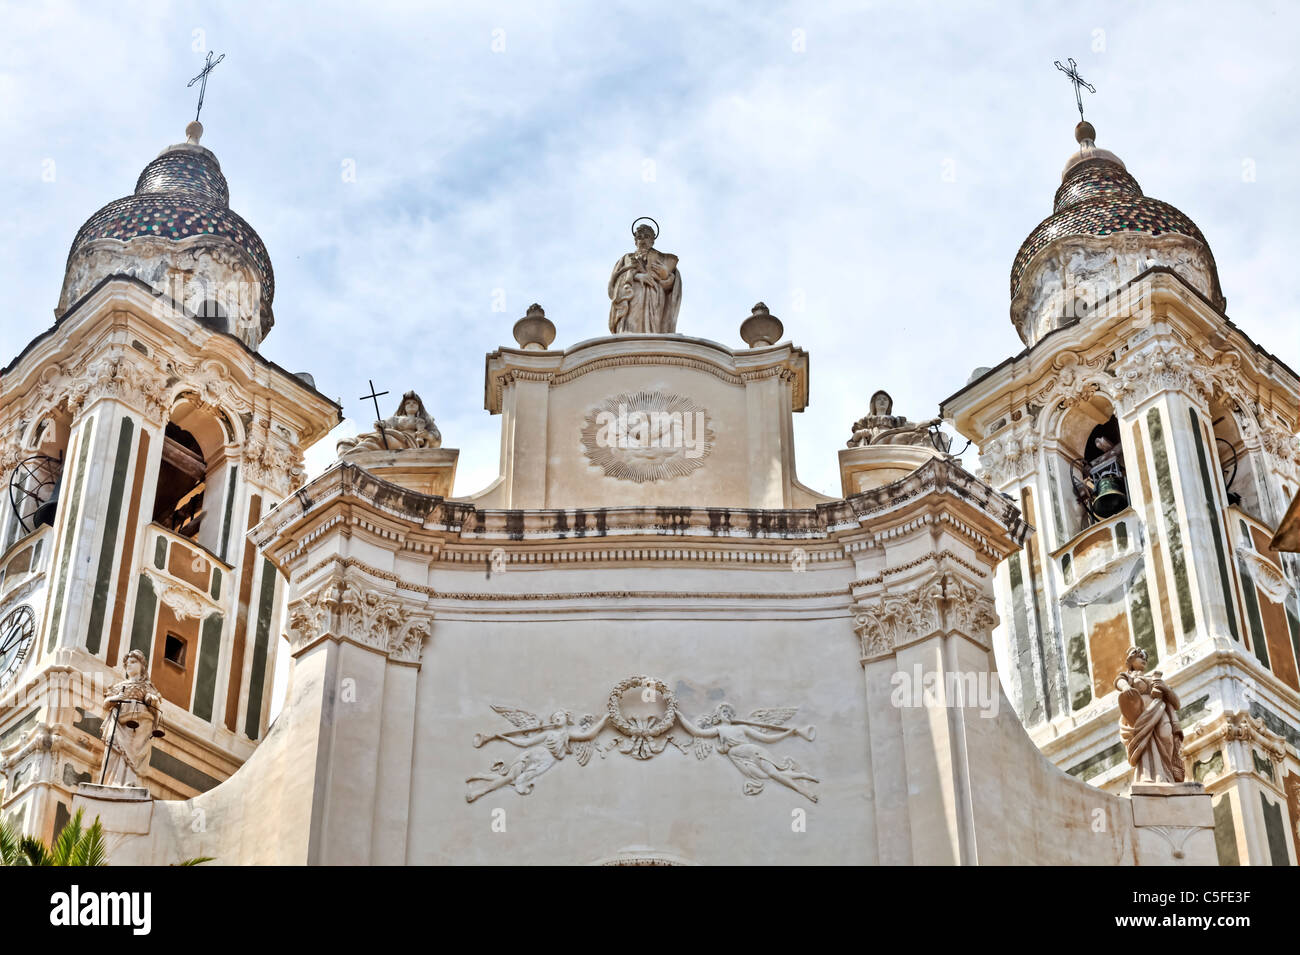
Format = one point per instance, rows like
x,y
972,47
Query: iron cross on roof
x,y
1080,84
202,79
375,396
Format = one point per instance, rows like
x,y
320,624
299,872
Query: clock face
x,y
17,634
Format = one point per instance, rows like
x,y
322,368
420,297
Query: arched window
x,y
182,479
1238,465
192,477
210,313
1095,478
32,487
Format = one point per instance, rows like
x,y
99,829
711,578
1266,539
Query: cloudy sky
x,y
868,170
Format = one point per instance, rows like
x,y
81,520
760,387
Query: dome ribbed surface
x,y
180,194
1098,197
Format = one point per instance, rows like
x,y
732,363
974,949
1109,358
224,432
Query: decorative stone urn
x,y
534,332
762,328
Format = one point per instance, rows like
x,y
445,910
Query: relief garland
x,y
544,744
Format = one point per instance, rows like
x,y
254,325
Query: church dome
x,y
1103,231
182,199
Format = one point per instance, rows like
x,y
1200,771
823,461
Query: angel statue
x,y
409,427
755,762
1148,722
882,426
543,745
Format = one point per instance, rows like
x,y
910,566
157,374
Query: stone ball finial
x,y
534,332
194,132
762,328
1084,132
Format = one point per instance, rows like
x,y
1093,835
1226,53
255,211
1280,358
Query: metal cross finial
x,y
202,80
375,396
1072,71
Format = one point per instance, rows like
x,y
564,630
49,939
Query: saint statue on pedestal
x,y
132,718
645,288
409,427
882,426
1148,722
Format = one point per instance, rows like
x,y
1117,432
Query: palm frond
x,y
10,839
66,843
91,848
197,860
33,852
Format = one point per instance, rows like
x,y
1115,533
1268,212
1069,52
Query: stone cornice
x,y
335,565
347,499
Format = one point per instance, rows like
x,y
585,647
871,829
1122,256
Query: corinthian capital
x,y
345,607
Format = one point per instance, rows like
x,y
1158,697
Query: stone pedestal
x,y
1174,824
121,810
875,465
426,470
649,420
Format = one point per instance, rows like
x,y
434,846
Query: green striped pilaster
x,y
1169,509
108,546
205,678
261,647
70,527
1225,581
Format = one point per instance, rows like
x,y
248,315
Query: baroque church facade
x,y
647,642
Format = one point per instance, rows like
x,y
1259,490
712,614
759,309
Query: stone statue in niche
x,y
735,740
543,745
1148,723
882,426
132,718
409,427
645,288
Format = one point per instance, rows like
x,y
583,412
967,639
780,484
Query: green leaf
x,y
33,852
66,844
10,840
90,848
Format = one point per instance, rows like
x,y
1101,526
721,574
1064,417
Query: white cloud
x,y
777,173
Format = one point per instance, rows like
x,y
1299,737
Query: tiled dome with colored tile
x,y
180,194
1099,197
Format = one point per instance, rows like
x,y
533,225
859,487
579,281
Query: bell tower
x,y
141,437
1152,445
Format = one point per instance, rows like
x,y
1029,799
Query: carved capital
x,y
944,602
1007,458
271,460
114,376
342,608
1148,371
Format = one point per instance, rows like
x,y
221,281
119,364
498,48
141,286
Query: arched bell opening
x,y
191,476
1091,443
1239,466
33,484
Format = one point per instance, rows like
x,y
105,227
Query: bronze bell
x,y
44,514
1109,498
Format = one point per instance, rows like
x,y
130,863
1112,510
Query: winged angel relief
x,y
544,744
